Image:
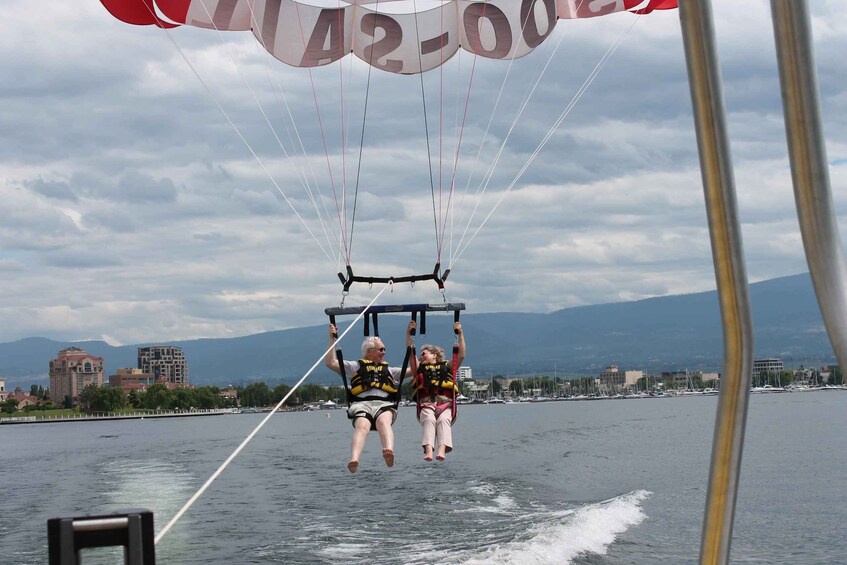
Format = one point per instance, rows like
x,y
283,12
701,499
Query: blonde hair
x,y
435,350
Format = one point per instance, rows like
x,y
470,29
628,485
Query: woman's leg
x,y
444,432
427,419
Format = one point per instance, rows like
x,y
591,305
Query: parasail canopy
x,y
399,36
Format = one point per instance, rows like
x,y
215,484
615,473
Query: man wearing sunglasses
x,y
373,385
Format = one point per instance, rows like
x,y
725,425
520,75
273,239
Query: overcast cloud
x,y
134,211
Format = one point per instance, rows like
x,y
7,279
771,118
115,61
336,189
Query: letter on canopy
x,y
388,34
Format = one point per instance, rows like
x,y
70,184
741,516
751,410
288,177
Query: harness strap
x,y
453,368
409,350
349,393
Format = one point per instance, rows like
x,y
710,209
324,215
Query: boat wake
x,y
560,536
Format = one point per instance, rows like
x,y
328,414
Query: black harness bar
x,y
436,275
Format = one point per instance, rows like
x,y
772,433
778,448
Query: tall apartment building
x,y
464,373
2,390
72,370
164,361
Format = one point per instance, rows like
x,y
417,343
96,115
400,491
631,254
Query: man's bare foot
x,y
353,466
440,457
427,453
388,455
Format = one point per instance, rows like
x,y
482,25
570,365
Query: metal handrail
x,y
730,274
809,167
818,226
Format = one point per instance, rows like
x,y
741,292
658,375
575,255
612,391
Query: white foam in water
x,y
502,502
158,485
564,535
344,551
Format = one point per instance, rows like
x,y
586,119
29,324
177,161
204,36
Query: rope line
x,y
489,173
362,140
260,46
244,443
342,226
473,169
247,144
426,124
593,75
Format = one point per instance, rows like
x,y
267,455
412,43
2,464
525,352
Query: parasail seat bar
x,y
373,311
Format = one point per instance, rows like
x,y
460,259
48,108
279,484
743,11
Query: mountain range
x,y
656,334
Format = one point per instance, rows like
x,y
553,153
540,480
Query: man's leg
x,y
361,428
386,436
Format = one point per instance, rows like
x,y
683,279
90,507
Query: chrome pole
x,y
730,273
809,169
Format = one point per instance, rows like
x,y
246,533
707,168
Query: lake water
x,y
602,482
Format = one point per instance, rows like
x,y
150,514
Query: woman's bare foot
x,y
427,453
441,456
353,466
388,455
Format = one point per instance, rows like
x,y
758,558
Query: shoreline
x,y
91,418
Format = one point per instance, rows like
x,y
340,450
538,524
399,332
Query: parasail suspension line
x,y
342,224
246,143
244,443
303,179
526,97
582,89
362,140
426,124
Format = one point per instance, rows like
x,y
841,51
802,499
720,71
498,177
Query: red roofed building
x,y
73,370
23,399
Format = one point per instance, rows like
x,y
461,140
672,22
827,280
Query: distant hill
x,y
655,334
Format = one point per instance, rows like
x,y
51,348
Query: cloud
x,y
141,204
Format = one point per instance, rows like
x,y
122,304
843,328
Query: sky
x,y
152,185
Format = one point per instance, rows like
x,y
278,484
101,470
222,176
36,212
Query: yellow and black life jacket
x,y
372,375
434,378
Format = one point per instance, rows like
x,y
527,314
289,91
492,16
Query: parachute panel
x,y
136,12
406,43
574,9
303,34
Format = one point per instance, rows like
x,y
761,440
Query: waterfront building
x,y
613,378
164,362
478,390
2,390
23,399
130,379
768,366
72,370
230,394
711,379
464,373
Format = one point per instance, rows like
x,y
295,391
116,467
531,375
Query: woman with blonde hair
x,y
435,392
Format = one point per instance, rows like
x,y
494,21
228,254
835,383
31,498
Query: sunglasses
x,y
377,348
